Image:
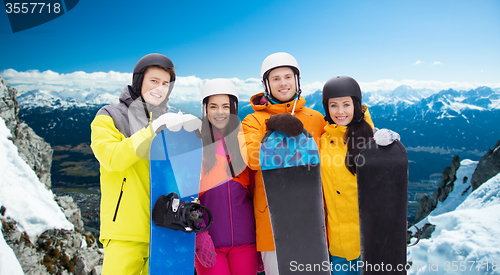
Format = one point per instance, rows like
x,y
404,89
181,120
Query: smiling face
x,y
155,85
218,111
341,110
282,83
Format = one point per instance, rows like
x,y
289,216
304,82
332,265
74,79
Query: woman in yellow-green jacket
x,y
120,139
349,127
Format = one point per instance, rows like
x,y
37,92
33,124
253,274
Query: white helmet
x,y
218,86
276,60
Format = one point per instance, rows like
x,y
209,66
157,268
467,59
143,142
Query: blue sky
x,y
446,41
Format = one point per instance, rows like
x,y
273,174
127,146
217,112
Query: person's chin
x,y
285,98
153,101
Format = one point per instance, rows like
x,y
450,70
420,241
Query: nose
x,y
161,88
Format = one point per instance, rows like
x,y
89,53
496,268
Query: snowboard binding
x,y
170,212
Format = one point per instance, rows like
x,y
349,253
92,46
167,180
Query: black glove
x,y
286,123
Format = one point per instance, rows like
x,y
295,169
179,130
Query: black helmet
x,y
341,86
151,59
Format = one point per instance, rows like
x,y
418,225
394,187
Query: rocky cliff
x,y
427,204
54,251
488,167
32,148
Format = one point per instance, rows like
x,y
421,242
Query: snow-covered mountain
x,y
26,201
444,123
482,98
467,226
41,233
67,98
401,95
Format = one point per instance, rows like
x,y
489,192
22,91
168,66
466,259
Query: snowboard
x,y
175,166
382,176
292,181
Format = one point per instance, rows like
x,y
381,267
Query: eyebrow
x,y
345,101
272,76
212,103
155,77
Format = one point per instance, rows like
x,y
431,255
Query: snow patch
x,y
8,261
25,198
467,228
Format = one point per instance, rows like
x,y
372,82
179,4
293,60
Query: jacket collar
x,y
260,103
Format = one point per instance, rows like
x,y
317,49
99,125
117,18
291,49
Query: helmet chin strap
x,y
299,91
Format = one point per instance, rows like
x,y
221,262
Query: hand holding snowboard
x,y
174,122
287,123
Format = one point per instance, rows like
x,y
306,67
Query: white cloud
x,y
418,62
52,81
309,88
186,87
437,63
189,87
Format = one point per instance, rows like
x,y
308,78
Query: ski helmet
x,y
218,86
145,62
277,60
340,86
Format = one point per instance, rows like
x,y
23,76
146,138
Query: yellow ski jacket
x,y
341,193
120,139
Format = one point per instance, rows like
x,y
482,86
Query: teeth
x,y
156,95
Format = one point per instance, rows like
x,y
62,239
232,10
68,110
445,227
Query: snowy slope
x,y
466,239
8,261
26,200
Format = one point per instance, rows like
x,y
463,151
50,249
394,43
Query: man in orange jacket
x,y
281,79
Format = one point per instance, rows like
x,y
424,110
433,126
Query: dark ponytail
x,y
358,133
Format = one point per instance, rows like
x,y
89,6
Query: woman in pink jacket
x,y
228,247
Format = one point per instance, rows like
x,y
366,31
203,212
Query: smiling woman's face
x,y
341,110
218,111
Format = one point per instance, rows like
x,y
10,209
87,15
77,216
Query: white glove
x,y
384,137
171,121
191,122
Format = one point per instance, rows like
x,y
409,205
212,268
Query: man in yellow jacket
x,y
120,139
281,79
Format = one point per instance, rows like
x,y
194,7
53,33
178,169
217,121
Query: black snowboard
x,y
382,175
292,180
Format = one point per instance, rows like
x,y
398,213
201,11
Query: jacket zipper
x,y
230,210
229,189
119,198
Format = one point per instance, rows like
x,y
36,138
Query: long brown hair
x,y
229,138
